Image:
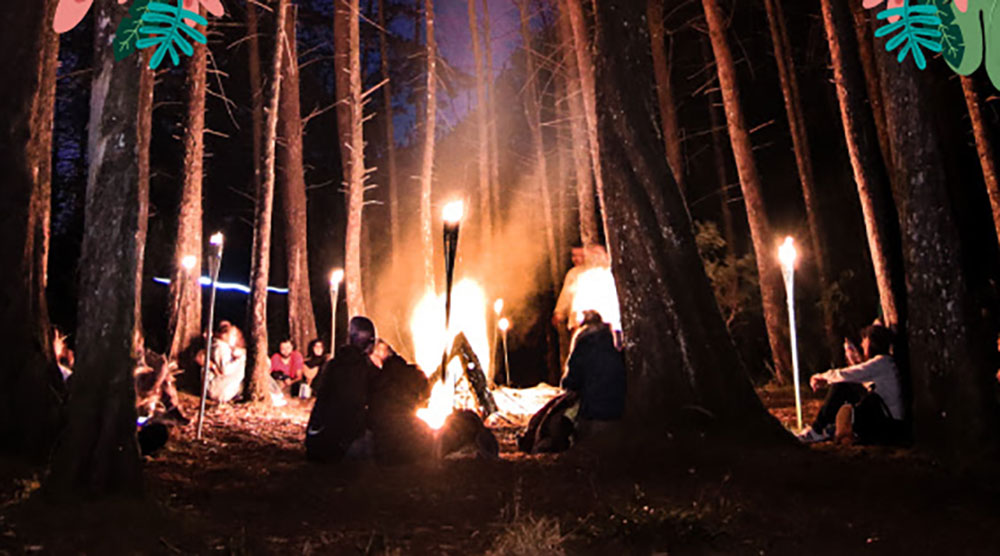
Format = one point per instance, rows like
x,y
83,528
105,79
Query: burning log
x,y
473,373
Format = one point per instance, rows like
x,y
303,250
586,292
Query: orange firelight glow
x,y
468,315
595,291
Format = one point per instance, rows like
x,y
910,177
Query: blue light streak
x,y
205,281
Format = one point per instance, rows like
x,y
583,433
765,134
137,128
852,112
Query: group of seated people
x,y
366,408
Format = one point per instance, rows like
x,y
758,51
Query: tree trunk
x,y
589,232
185,288
390,141
482,125
144,130
873,187
984,146
585,67
866,54
97,452
719,156
427,162
28,409
533,113
951,352
349,62
764,242
301,322
679,354
665,92
258,362
491,102
256,93
803,160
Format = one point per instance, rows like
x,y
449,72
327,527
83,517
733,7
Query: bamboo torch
x,y
214,263
453,213
787,255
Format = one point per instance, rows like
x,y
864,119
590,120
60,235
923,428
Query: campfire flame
x,y
595,291
468,315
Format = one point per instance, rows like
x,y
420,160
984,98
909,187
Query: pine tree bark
x,y
764,242
97,452
185,288
29,379
144,130
390,141
347,59
665,92
483,143
256,92
258,362
301,321
881,222
984,146
951,351
533,113
585,67
427,160
589,231
866,55
678,352
803,160
719,156
491,102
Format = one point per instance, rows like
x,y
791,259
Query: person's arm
x,y
564,304
297,365
575,375
862,372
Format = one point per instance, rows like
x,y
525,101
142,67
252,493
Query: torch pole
x,y
450,250
789,275
506,361
214,263
334,294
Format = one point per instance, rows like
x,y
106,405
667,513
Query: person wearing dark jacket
x,y
400,388
596,371
339,419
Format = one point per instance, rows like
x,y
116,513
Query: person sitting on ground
x,y
864,399
155,391
596,372
397,392
338,422
316,357
287,364
228,363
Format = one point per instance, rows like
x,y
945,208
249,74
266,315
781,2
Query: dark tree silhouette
x,y
678,351
27,417
97,451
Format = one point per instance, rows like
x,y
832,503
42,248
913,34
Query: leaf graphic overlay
x,y
918,28
165,29
128,30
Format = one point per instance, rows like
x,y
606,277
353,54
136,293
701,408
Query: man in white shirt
x,y
871,388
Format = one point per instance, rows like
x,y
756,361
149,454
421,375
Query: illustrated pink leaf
x,y
69,13
214,7
892,4
962,5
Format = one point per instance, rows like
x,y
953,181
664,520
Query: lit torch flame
x,y
453,212
188,262
498,307
216,239
336,277
504,324
787,253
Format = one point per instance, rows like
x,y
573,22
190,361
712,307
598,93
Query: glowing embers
x,y
468,316
595,291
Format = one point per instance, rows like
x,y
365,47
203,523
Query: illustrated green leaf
x,y
165,28
952,41
918,29
980,27
128,30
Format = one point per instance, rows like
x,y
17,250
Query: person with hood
x,y
339,420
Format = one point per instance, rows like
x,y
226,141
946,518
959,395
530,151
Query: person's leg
x,y
838,394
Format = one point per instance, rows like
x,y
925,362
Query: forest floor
x,y
247,489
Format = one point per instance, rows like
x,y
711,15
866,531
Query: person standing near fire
x,y
563,318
